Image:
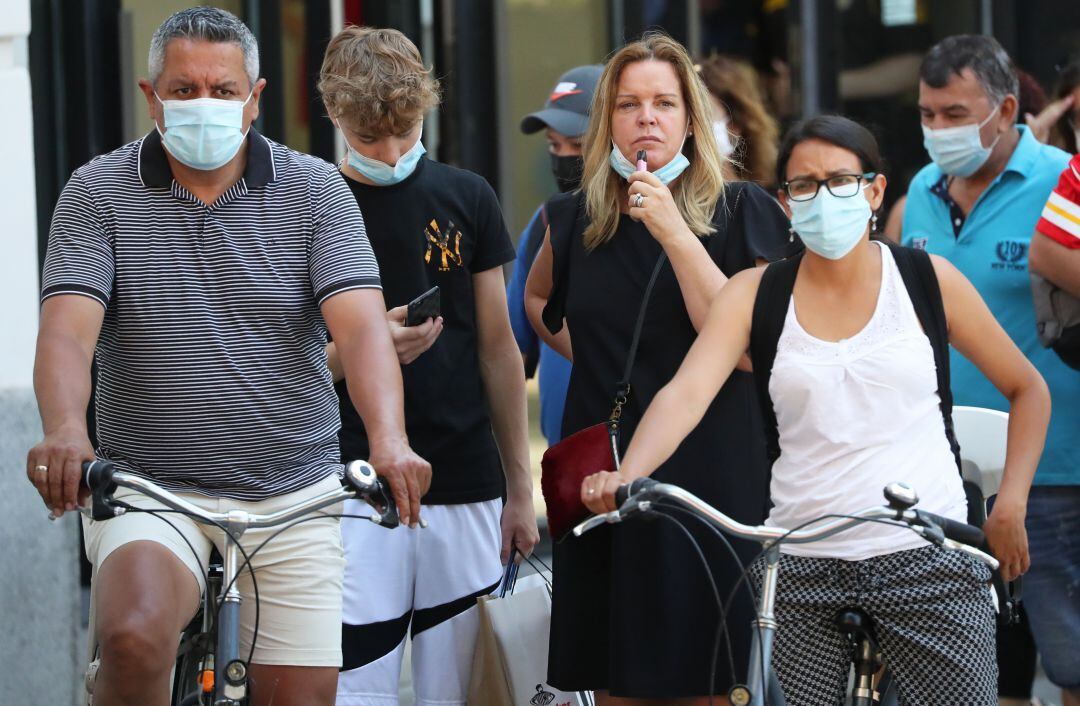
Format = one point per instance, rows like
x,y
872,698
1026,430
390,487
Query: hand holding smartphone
x,y
424,307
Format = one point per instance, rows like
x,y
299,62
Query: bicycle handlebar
x,y
640,493
102,479
956,531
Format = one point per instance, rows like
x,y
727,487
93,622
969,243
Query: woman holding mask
x,y
587,284
854,389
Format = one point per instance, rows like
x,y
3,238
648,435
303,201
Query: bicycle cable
x,y
225,589
716,595
721,629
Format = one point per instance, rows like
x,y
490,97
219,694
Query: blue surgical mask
x,y
958,151
203,133
666,174
831,226
381,173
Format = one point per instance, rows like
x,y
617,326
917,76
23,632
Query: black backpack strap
x,y
770,310
921,282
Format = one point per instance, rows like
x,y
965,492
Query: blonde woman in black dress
x,y
633,616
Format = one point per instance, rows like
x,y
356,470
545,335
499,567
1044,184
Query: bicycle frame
x,y
763,686
230,671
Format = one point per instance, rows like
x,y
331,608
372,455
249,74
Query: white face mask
x,y
958,151
723,138
203,133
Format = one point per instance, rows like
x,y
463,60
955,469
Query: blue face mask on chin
x,y
203,133
666,174
381,173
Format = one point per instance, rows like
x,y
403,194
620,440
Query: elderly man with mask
x,y
202,266
977,205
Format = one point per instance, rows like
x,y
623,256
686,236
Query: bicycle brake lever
x,y
595,521
82,510
982,556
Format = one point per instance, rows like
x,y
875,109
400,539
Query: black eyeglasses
x,y
842,186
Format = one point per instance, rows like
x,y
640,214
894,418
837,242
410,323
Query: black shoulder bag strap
x,y
766,325
622,391
922,286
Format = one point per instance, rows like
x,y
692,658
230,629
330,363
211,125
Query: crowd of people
x,y
680,210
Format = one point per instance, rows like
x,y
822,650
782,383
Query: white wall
x,y
18,221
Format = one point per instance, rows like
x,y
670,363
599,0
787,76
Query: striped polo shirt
x,y
212,371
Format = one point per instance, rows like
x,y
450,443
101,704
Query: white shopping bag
x,y
510,665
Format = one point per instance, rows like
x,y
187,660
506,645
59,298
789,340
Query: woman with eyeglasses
x,y
854,389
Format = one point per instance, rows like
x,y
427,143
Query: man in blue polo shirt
x,y
977,205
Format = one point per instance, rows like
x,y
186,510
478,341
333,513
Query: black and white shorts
x,y
428,579
934,620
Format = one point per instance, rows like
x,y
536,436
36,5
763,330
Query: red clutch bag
x,y
565,465
593,449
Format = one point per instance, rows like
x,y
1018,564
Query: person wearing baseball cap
x,y
564,118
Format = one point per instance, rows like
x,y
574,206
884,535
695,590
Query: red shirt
x,y
1060,219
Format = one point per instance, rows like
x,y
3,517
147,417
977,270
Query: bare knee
x,y
140,642
144,597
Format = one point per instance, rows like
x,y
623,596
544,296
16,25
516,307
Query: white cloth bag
x,y
515,629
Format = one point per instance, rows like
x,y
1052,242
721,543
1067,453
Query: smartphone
x,y
424,307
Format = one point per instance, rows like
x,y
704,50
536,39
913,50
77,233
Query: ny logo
x,y
438,239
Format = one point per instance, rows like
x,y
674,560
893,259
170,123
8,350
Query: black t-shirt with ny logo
x,y
440,226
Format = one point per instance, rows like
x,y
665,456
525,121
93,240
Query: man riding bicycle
x,y
202,266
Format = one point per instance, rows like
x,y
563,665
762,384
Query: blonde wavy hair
x,y
697,190
375,79
735,84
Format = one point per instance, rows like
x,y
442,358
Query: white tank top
x,y
855,415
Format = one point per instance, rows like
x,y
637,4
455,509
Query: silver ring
x,y
638,200
41,469
590,491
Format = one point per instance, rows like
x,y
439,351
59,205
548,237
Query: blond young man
x,y
430,225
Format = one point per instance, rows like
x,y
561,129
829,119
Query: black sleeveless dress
x,y
632,609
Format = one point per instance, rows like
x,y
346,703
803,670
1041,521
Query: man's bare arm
x,y
1055,262
67,336
357,322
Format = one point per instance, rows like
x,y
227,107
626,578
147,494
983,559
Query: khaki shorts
x,y
299,572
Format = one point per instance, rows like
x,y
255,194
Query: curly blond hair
x,y
374,81
700,187
735,84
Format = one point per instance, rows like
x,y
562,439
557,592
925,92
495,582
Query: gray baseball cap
x,y
567,108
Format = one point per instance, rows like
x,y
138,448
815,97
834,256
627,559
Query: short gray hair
x,y
209,24
987,59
